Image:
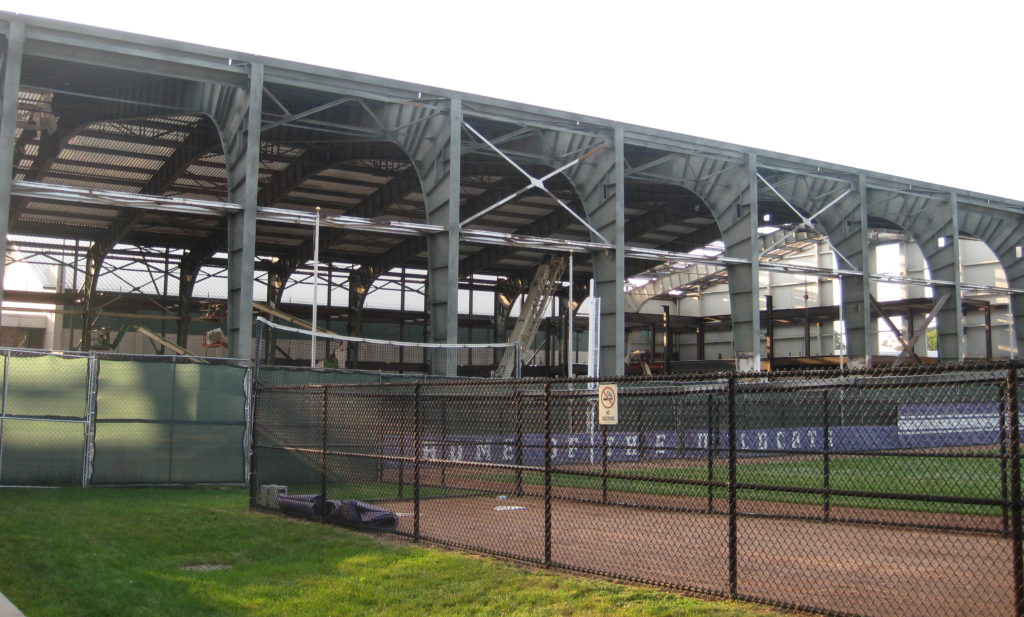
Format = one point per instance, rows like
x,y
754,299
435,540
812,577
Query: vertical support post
x,y
418,447
445,446
316,291
807,328
769,342
712,452
401,456
323,447
1004,489
604,464
868,342
700,341
3,411
666,343
517,403
547,473
953,309
988,330
568,324
733,570
8,126
244,178
170,427
826,458
1017,533
89,448
252,443
608,218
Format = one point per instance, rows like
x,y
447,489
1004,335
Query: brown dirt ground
x,y
850,568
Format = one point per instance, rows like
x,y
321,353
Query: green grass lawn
x,y
949,477
119,552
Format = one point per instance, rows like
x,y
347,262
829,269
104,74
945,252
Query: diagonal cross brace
x,y
905,347
808,222
535,183
904,357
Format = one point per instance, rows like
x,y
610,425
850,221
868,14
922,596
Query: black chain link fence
x,y
884,492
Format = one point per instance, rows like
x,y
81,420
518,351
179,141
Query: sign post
x,y
608,404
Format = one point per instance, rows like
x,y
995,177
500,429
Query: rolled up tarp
x,y
350,511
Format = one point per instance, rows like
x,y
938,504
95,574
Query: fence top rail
x,y
73,354
694,383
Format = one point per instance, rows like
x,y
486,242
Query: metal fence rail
x,y
887,492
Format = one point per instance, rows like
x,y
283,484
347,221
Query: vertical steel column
x,y
988,330
1017,533
242,226
769,343
417,444
733,570
826,454
951,319
8,126
666,339
868,342
547,473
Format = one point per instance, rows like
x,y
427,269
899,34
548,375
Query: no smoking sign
x,y
608,403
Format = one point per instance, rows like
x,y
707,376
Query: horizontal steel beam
x,y
37,190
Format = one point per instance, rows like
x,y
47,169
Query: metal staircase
x,y
545,282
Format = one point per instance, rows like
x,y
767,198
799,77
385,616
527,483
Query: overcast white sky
x,y
926,90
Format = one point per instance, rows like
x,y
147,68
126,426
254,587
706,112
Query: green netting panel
x,y
172,423
136,391
42,453
202,453
209,393
47,386
132,453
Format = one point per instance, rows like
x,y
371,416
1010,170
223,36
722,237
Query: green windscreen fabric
x,y
42,453
50,386
42,433
160,423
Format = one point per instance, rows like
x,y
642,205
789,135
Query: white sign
x,y
608,403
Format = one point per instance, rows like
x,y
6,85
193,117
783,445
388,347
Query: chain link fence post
x,y
517,403
323,445
733,571
1013,415
3,411
92,390
826,458
417,444
604,464
712,445
1004,489
547,473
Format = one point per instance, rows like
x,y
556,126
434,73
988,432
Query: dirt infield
x,y
850,568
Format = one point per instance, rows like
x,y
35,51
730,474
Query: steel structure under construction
x,y
174,183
